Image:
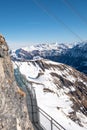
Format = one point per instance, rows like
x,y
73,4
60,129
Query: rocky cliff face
x,y
13,110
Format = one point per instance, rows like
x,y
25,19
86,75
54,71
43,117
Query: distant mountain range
x,y
41,50
73,55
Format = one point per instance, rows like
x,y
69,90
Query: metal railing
x,y
47,122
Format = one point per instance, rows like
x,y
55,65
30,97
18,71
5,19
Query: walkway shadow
x,y
31,100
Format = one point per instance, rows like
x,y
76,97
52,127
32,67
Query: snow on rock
x,y
61,91
74,54
31,71
38,51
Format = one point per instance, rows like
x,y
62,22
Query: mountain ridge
x,y
73,55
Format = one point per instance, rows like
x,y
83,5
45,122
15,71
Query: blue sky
x,y
27,22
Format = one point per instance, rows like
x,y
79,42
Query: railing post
x,y
51,124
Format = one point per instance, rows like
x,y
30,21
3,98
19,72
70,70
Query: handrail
x,y
53,121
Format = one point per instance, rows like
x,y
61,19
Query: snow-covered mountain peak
x,y
45,47
40,50
72,54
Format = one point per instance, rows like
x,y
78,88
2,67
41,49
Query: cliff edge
x,y
13,109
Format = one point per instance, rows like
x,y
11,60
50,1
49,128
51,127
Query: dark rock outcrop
x,y
13,108
3,47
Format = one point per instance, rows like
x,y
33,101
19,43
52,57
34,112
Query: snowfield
x,y
52,83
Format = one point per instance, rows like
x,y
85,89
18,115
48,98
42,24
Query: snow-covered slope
x,y
61,91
